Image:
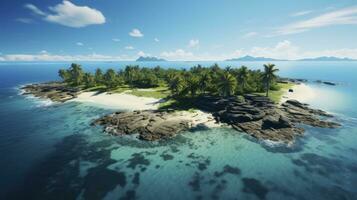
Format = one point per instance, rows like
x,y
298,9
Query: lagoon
x,y
50,150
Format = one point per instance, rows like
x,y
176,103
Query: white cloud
x,y
129,47
301,13
287,50
69,14
34,9
50,57
193,43
156,40
143,54
346,16
25,20
250,34
178,54
136,33
43,52
116,39
79,44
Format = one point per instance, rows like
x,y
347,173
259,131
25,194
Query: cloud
x,y
178,54
250,34
143,54
136,33
69,14
193,43
346,16
34,9
129,47
79,44
116,40
287,50
301,13
156,40
70,58
25,20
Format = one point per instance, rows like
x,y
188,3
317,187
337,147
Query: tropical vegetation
x,y
178,83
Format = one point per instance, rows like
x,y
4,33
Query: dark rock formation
x,y
55,91
149,124
256,115
261,118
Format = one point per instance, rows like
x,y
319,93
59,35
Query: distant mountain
x,y
327,58
149,59
251,58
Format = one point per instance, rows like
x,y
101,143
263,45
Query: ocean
x,y
50,151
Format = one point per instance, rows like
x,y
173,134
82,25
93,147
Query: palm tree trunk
x,y
267,89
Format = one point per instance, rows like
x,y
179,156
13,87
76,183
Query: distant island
x,y
149,59
323,58
162,103
327,58
251,58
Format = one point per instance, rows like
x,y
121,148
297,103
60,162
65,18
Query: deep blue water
x,y
50,151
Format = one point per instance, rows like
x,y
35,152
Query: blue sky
x,y
62,30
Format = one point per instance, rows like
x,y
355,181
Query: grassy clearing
x,y
276,95
158,93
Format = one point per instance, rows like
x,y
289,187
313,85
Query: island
x,y
252,58
149,59
170,101
249,58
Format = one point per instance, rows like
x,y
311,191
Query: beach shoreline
x,y
120,101
301,92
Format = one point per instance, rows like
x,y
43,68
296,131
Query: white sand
x,y
118,101
301,92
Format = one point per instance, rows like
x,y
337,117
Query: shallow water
x,y
52,152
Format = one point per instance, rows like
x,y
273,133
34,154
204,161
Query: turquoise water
x,y
49,151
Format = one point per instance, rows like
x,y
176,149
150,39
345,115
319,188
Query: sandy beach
x,y
301,92
118,101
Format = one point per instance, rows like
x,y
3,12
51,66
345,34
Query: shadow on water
x,y
58,175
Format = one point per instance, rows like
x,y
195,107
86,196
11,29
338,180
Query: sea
x,y
50,150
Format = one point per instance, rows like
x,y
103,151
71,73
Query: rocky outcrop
x,y
261,118
55,91
255,115
149,124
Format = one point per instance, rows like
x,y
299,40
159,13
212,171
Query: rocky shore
x,y
55,91
255,115
153,124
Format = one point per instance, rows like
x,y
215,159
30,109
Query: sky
x,y
192,30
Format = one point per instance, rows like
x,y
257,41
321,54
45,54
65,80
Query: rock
x,y
291,90
55,91
150,125
329,83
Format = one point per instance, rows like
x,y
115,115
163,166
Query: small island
x,y
174,100
149,59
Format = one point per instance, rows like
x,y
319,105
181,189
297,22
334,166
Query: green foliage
x,y
98,77
111,79
88,80
226,83
178,83
269,76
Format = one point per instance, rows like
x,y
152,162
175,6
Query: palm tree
x,y
76,73
64,74
98,76
88,80
269,76
110,79
226,83
175,84
243,77
204,81
192,85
